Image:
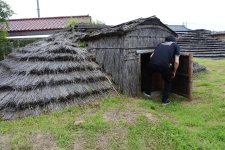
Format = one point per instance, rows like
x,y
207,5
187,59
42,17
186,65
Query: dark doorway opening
x,y
144,63
157,81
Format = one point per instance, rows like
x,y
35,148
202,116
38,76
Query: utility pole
x,y
38,10
185,24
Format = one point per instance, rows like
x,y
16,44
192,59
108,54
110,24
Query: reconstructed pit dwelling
x,y
56,72
123,52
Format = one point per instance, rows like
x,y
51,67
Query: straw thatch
x,y
48,75
201,43
198,68
129,26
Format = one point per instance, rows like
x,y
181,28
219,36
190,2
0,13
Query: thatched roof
x,y
202,44
48,75
127,26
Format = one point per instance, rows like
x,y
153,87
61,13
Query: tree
x,y
5,13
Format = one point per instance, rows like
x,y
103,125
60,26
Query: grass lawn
x,y
126,123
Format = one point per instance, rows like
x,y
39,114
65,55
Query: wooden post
x,y
190,75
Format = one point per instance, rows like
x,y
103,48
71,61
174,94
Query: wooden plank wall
x,y
116,54
107,52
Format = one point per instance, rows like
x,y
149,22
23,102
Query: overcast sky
x,y
196,14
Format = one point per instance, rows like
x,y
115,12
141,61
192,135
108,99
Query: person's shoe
x,y
147,95
166,102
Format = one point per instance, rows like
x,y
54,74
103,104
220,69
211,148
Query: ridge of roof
x,y
42,18
124,27
134,21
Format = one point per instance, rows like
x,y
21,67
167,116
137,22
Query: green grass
x,y
120,122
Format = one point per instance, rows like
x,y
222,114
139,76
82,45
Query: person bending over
x,y
165,53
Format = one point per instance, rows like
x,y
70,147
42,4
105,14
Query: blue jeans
x,y
166,74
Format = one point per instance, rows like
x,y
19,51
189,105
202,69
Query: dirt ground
x,y
43,141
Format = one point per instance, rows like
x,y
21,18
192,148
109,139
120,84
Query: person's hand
x,y
173,74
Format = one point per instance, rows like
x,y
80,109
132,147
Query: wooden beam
x,y
144,51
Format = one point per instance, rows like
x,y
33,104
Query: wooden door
x,y
182,83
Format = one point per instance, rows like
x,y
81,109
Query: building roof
x,y
201,43
47,23
128,26
179,28
218,32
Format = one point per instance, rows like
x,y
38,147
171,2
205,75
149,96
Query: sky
x,y
194,14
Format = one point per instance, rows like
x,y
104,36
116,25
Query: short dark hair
x,y
170,39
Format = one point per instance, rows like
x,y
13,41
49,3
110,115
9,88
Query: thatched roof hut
x,y
47,75
123,50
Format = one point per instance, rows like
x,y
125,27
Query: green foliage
x,y
72,21
22,42
56,100
20,142
5,11
158,136
90,88
82,44
6,46
96,22
71,24
3,35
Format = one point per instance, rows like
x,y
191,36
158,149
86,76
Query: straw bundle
x,y
48,75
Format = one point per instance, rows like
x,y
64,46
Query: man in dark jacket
x,y
164,54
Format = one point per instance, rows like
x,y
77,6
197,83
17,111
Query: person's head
x,y
170,39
